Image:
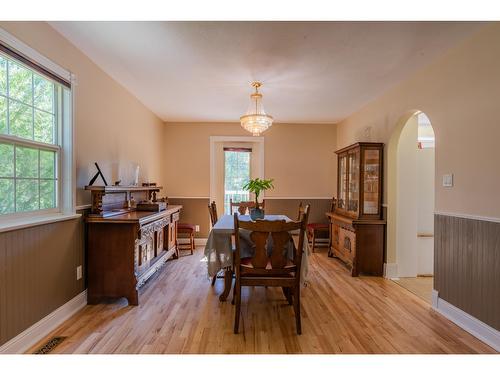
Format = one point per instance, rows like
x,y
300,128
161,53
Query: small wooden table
x,y
219,250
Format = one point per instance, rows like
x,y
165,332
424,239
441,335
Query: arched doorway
x,y
411,189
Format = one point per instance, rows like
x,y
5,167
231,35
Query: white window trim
x,y
67,175
34,55
222,138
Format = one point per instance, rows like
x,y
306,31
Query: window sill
x,y
26,222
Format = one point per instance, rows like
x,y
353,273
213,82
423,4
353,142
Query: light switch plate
x,y
448,180
197,228
78,272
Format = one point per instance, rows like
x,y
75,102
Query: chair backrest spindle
x,y
212,210
242,207
277,231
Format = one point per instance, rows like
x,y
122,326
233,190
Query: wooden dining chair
x,y
274,270
185,231
242,207
302,210
212,210
315,229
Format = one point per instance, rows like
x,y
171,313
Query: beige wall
x,y
459,93
111,126
300,158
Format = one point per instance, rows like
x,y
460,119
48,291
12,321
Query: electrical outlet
x,y
78,272
197,228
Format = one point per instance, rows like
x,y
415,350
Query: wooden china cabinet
x,y
356,225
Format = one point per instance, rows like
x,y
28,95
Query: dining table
x,y
219,249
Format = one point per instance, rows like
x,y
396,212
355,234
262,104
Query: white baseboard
x,y
37,331
391,271
474,326
200,241
197,241
435,299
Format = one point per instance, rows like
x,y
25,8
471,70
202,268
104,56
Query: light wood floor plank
x,y
180,312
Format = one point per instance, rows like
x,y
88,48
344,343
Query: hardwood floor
x,y
180,312
420,286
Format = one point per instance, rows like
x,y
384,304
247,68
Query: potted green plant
x,y
256,186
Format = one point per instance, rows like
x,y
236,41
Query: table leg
x,y
228,281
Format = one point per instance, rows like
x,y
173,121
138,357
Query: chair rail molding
x,y
468,216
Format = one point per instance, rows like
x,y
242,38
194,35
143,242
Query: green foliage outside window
x,y
236,174
28,179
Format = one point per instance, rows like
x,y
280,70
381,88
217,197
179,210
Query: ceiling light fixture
x,y
255,120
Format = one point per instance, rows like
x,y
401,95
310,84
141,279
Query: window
x,y
236,174
34,111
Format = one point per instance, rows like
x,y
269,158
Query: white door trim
x,y
222,138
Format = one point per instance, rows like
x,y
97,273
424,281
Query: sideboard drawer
x,y
148,229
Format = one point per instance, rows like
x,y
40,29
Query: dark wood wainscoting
x,y
467,264
195,210
290,208
38,272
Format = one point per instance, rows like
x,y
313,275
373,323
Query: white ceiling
x,y
311,71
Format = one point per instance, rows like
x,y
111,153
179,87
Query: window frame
x,y
22,142
63,144
237,150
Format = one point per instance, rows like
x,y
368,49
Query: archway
x,y
411,170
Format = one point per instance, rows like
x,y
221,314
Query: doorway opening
x,y
413,211
233,161
236,174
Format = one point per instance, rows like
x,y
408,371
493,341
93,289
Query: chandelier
x,y
255,120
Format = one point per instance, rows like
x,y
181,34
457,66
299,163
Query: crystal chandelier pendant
x,y
255,120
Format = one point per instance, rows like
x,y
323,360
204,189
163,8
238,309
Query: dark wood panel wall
x,y
467,264
38,273
290,208
195,210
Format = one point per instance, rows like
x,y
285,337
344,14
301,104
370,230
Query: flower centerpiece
x,y
256,186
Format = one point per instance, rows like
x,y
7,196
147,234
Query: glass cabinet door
x,y
342,202
353,188
371,173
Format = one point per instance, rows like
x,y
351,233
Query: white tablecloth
x,y
218,250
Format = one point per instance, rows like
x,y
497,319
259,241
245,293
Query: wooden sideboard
x,y
126,247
